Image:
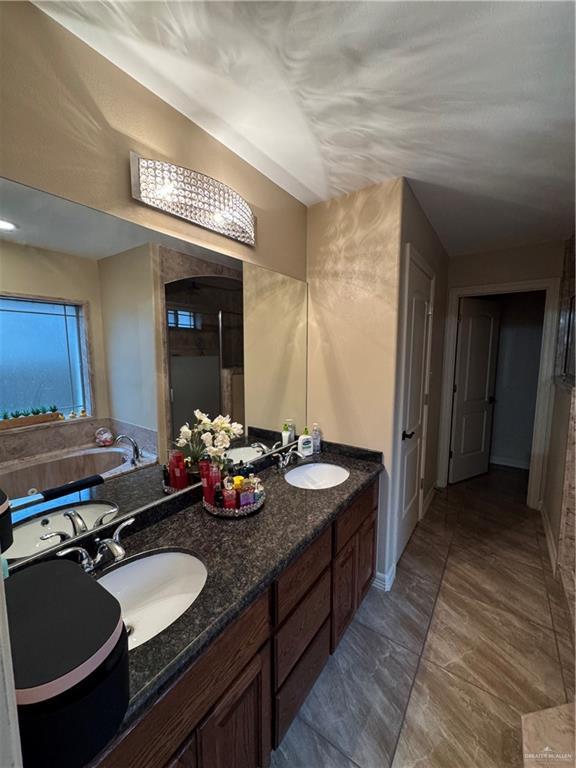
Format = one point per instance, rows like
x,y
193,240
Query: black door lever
x,y
407,435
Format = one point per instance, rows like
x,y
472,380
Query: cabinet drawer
x,y
299,577
297,632
291,696
352,518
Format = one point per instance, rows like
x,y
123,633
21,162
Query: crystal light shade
x,y
192,196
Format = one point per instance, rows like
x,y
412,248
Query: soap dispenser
x,y
305,445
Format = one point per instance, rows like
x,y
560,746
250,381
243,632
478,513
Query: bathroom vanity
x,y
221,685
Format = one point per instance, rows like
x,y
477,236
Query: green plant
x,y
35,411
5,415
16,414
25,412
53,409
43,409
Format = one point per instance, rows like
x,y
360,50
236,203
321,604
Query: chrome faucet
x,y
86,561
261,447
285,459
78,524
108,549
136,453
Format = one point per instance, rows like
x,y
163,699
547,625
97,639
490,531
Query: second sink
x,y
154,590
316,477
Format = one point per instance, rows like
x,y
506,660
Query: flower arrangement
x,y
208,436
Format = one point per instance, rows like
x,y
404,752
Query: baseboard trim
x,y
428,500
550,543
505,462
384,581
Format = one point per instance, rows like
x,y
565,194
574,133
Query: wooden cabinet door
x,y
187,756
366,556
344,589
237,733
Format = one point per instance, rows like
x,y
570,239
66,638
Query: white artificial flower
x,y
203,418
221,422
236,429
222,440
181,442
185,432
207,439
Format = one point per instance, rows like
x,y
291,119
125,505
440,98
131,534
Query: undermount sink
x,y
154,590
27,534
316,477
245,454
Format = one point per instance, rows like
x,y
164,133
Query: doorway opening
x,y
495,385
205,332
498,369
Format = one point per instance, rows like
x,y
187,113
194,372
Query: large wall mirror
x,y
105,324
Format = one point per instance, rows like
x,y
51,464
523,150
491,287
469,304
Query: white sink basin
x,y
315,477
27,534
154,590
245,454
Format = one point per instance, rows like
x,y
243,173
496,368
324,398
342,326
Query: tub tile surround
x,y
489,648
26,442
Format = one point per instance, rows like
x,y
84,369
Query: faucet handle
x,y
85,560
118,531
63,536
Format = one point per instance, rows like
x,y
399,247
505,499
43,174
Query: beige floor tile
x,y
452,724
496,650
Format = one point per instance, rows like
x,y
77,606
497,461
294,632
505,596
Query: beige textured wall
x,y
417,230
69,119
275,315
531,262
353,273
128,311
28,271
556,461
353,293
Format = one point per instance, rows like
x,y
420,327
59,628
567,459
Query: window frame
x,y
85,336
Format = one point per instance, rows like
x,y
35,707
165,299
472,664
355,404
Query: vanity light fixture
x,y
7,226
192,196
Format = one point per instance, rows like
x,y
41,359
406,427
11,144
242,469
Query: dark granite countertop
x,y
242,557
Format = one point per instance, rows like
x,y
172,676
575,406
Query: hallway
x,y
437,672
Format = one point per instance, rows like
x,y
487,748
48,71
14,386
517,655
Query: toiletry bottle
x,y
305,445
291,429
228,493
316,437
258,489
285,434
204,467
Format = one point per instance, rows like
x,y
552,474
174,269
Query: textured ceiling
x,y
472,101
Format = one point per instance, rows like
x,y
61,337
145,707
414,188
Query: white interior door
x,y
418,296
475,375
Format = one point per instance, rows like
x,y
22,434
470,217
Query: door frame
x,y
409,253
544,394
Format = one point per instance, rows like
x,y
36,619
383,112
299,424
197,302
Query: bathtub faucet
x,y
135,449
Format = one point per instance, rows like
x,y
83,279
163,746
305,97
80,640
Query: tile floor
x,y
437,672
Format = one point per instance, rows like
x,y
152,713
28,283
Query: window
x,y
183,318
41,356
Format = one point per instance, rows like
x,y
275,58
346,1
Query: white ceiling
x,y
472,101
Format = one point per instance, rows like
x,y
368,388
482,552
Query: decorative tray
x,y
247,509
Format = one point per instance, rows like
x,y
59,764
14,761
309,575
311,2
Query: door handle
x,y
407,435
